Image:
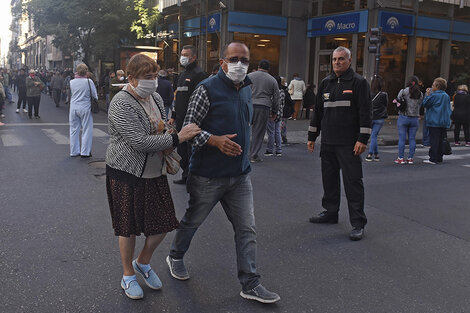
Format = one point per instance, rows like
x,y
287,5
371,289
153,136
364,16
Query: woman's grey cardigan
x,y
129,129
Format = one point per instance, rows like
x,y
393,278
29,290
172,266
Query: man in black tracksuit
x,y
343,115
187,82
21,84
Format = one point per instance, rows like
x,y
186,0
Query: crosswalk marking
x,y
56,137
11,141
99,133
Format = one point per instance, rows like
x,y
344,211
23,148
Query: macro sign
x,y
338,24
396,23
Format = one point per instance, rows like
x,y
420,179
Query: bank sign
x,y
397,23
338,24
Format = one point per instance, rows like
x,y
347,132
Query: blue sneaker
x,y
132,289
151,278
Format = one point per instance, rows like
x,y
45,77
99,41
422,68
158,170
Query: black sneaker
x,y
261,294
256,159
267,153
376,158
324,218
279,154
177,268
369,158
356,234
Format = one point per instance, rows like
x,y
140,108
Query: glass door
x,y
324,64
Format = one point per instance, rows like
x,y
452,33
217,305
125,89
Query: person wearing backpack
x,y
287,111
410,100
379,114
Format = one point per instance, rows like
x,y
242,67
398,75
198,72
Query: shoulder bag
x,y
95,108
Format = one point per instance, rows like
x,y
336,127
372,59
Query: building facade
x,y
428,38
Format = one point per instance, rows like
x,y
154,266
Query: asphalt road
x,y
58,252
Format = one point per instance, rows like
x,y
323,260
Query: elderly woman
x,y
138,193
82,89
438,111
461,114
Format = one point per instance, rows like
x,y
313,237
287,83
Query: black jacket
x,y
379,105
187,82
21,83
165,90
342,110
461,111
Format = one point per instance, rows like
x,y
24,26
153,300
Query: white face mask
x,y
184,60
145,88
236,71
121,78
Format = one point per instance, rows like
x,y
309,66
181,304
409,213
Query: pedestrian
x,y
165,90
220,167
119,79
461,115
288,109
408,119
106,83
422,112
6,84
57,84
82,90
265,99
67,81
379,114
438,111
34,86
2,99
274,126
21,85
343,116
187,81
309,100
138,193
297,90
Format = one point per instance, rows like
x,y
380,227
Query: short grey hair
x,y
341,48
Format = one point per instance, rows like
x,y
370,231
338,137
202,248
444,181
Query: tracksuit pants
x,y
81,118
333,159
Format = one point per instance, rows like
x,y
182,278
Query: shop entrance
x,y
324,64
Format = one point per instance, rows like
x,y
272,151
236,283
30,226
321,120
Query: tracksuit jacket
x,y
343,111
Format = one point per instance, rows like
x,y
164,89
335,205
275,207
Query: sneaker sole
x,y
131,296
368,160
172,273
250,297
145,280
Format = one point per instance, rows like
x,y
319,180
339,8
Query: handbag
x,y
95,108
171,162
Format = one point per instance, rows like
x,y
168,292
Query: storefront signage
x,y
257,23
338,24
461,31
397,23
213,23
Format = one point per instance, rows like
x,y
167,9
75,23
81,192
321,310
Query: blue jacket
x,y
165,90
230,112
438,109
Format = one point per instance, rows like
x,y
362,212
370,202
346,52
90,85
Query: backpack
x,y
288,105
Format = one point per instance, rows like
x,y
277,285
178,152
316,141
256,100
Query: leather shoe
x,y
324,218
356,234
181,181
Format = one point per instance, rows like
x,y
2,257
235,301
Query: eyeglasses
x,y
245,61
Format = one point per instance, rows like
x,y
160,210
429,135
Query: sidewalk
x,y
388,136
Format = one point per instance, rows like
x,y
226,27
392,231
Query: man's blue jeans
x,y
426,138
236,196
407,126
376,127
273,130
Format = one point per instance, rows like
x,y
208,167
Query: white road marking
x,y
56,137
99,133
466,165
449,157
11,141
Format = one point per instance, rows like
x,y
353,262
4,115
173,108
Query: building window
x,y
433,8
393,65
460,62
463,13
428,59
261,47
335,6
272,7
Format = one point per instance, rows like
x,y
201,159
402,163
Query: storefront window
x,y
433,8
463,13
315,8
334,41
428,59
261,47
273,7
406,4
460,62
212,51
335,6
393,65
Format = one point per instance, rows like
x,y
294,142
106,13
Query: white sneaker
x,y
17,110
428,162
25,111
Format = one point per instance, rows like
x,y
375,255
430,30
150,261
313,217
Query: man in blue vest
x,y
219,168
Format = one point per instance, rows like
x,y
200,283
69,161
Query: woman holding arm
x,y
138,194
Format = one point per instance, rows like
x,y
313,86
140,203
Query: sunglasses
x,y
245,61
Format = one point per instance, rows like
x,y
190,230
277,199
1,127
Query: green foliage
x,y
144,25
83,27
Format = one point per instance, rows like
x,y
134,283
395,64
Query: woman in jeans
x,y
408,120
379,114
138,193
461,114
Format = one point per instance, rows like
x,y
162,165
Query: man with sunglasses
x,y
219,168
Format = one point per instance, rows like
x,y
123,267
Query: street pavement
x,y
58,252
